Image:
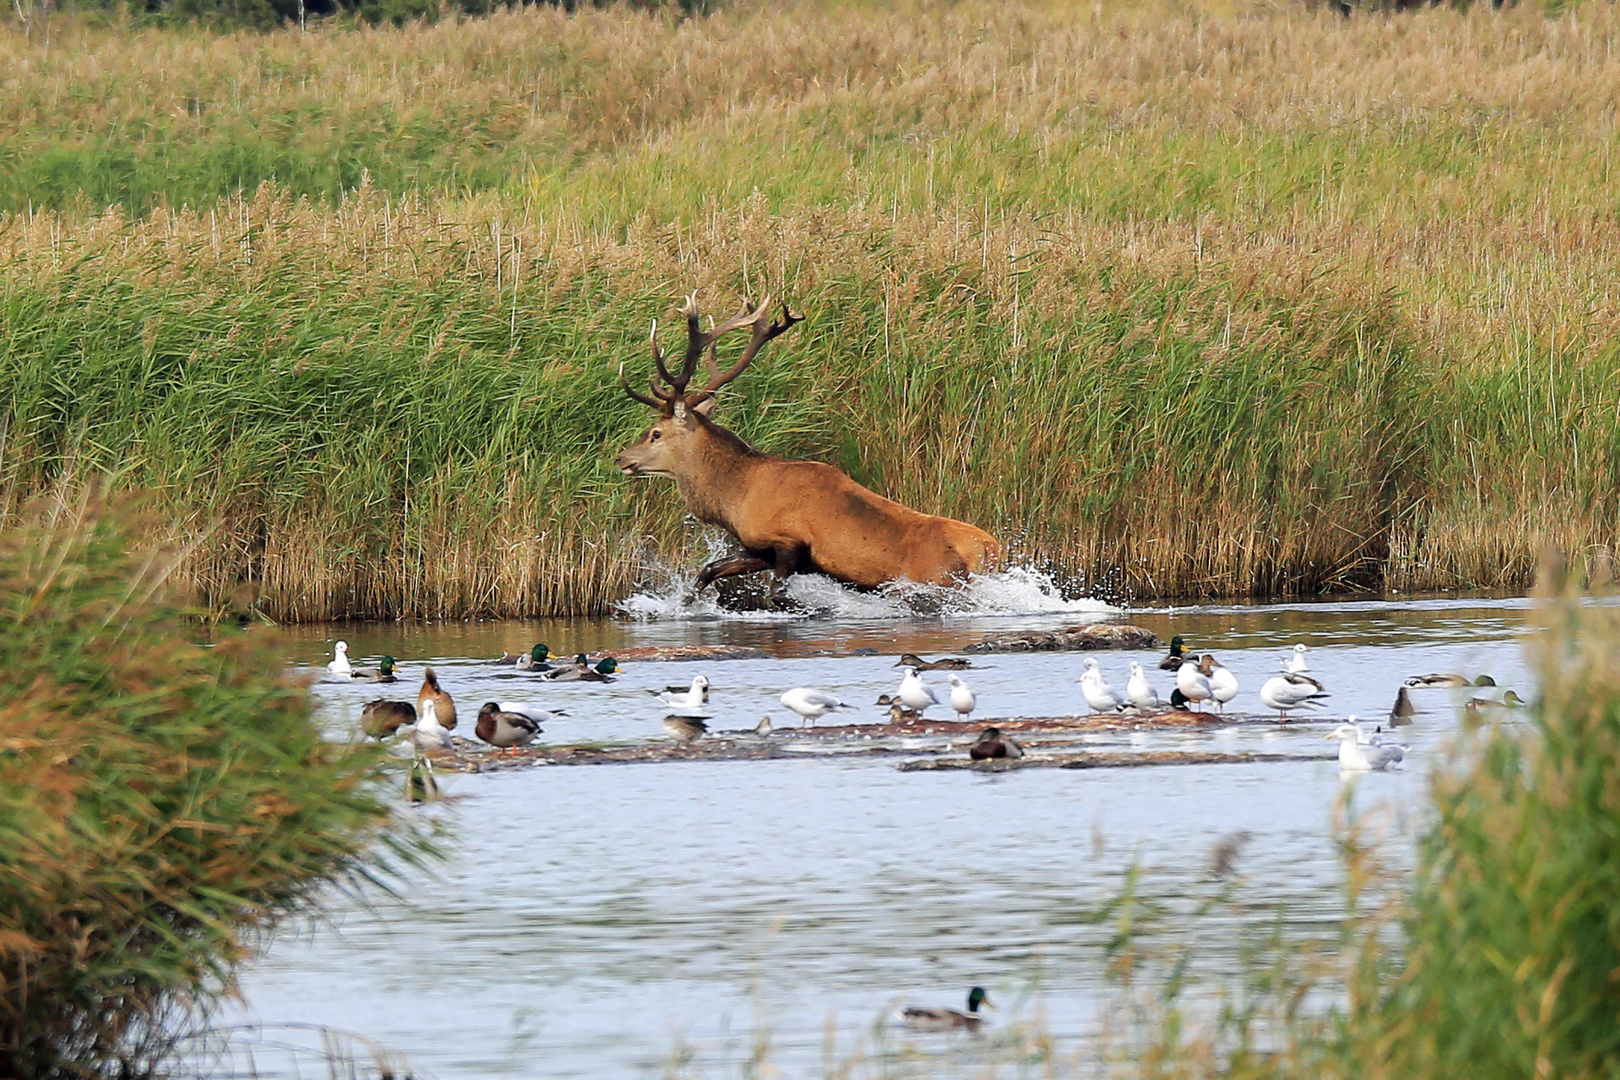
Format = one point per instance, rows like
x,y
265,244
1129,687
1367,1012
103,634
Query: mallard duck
x,y
1448,680
1291,691
339,664
1296,664
915,694
1476,708
442,702
684,697
811,704
944,663
1178,700
1192,683
1100,697
1402,711
1359,752
1178,646
1223,685
383,672
993,744
962,699
923,1018
581,671
430,735
534,659
380,718
1142,695
685,729
899,714
503,728
885,699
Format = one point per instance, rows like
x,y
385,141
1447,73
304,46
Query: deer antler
x,y
699,343
764,330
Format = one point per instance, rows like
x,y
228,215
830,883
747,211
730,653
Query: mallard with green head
x,y
1448,680
581,671
383,672
535,659
924,1018
1178,648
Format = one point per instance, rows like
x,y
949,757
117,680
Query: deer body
x,y
790,516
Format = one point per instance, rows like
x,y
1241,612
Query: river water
x,y
646,919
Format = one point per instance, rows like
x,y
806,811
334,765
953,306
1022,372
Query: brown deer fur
x,y
790,516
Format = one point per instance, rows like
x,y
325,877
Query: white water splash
x,y
1020,590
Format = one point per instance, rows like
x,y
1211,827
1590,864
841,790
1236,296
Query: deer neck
x,y
715,476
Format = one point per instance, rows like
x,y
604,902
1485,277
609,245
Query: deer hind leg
x,y
749,562
787,562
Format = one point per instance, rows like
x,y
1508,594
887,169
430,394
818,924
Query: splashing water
x,y
1019,590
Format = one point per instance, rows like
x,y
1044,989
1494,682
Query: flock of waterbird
x,y
1200,682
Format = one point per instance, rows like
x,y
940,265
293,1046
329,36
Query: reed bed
x,y
1180,300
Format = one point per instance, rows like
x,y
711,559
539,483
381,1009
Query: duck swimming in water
x,y
923,1018
581,671
944,663
382,673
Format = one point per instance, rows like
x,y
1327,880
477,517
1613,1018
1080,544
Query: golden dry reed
x,y
1180,299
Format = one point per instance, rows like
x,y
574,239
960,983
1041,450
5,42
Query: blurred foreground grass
x,y
163,806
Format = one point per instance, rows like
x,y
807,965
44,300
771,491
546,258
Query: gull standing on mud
x,y
429,735
1223,685
1100,697
1141,693
1192,684
962,699
811,704
1291,691
339,664
915,694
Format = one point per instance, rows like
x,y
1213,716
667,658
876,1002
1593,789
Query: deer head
x,y
684,413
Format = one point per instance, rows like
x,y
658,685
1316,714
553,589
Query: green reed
x,y
1222,314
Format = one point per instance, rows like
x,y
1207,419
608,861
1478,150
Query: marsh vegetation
x,y
1179,301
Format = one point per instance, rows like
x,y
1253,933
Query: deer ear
x,y
705,407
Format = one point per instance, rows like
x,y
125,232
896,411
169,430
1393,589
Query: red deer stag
x,y
790,516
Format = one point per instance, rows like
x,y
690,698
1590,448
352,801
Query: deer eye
x,y
656,435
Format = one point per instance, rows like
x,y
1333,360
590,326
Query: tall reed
x,y
1237,300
